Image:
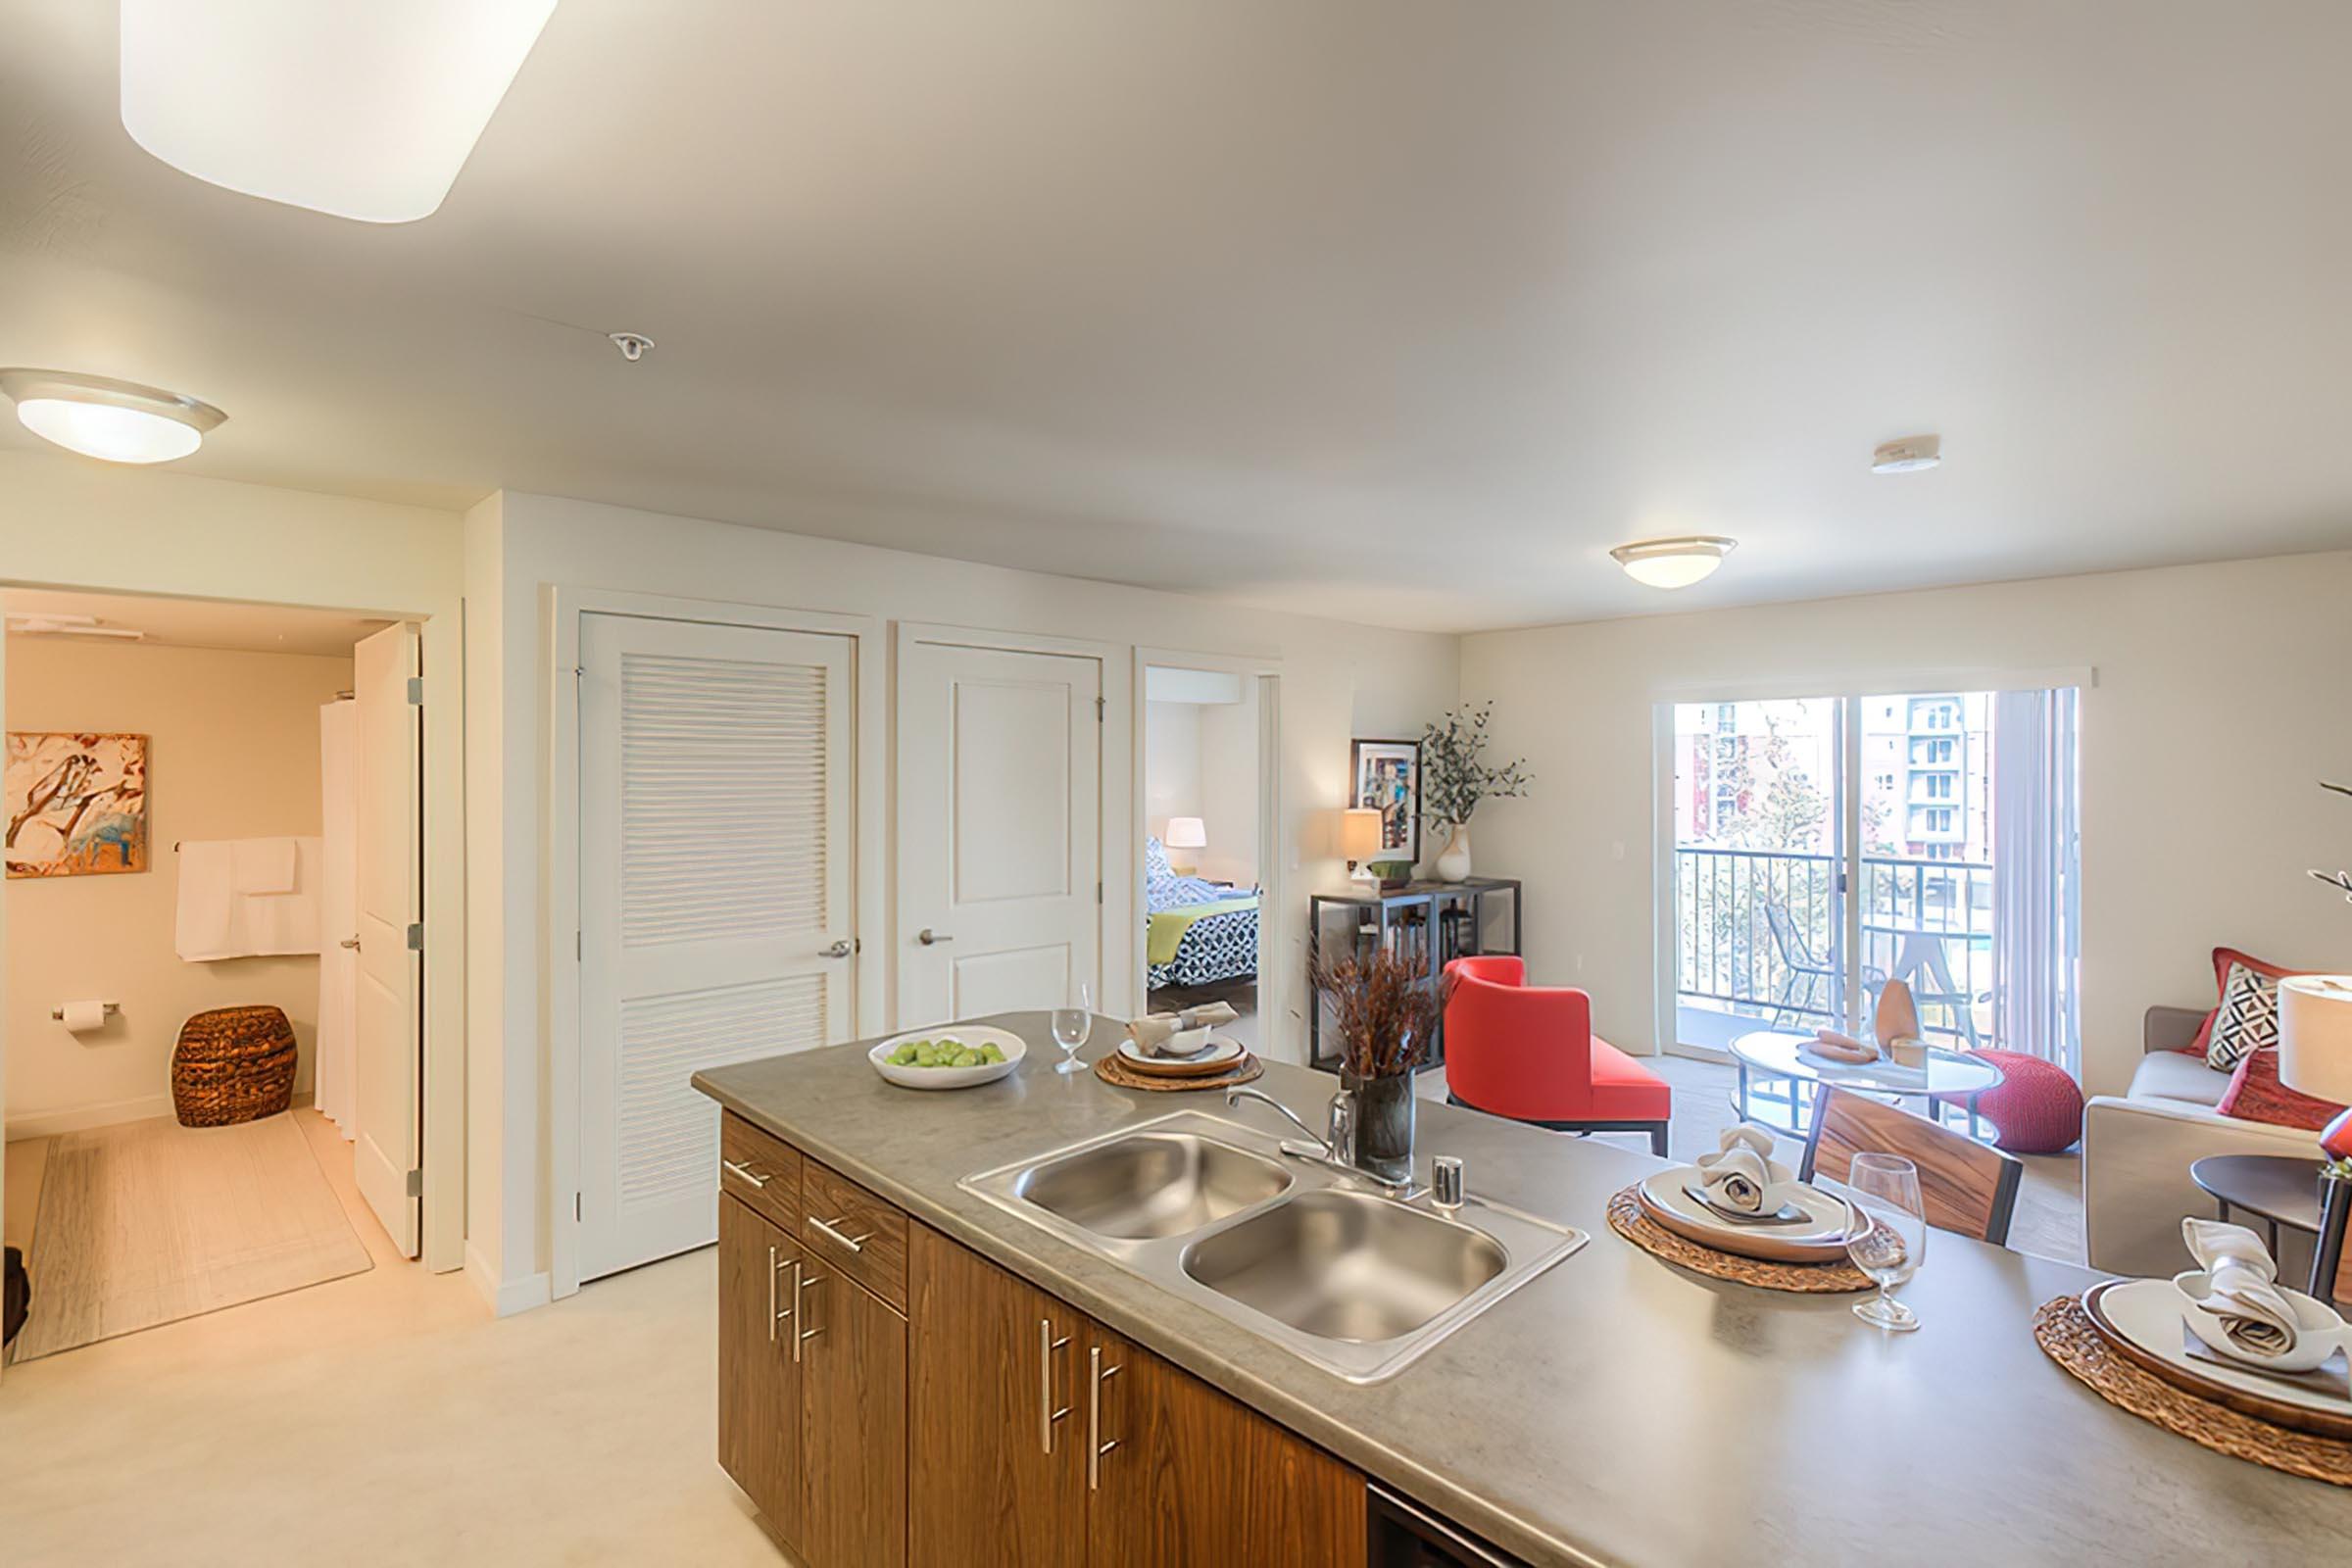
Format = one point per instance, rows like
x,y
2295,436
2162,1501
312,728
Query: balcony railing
x,y
1758,936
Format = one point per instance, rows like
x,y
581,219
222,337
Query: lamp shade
x,y
2315,1036
1187,833
1359,833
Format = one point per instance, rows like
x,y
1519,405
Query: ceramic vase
x,y
1453,862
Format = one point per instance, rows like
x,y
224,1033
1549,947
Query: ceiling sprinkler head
x,y
632,345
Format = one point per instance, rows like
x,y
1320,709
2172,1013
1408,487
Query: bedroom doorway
x,y
1207,828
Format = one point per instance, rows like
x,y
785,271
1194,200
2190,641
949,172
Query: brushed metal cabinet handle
x,y
855,1244
1096,1447
1047,1415
771,1296
803,1334
745,1171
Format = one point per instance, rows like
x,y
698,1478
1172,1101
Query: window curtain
x,y
2037,881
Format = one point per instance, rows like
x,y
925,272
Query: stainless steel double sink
x,y
1315,1259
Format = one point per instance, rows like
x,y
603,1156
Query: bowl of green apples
x,y
952,1056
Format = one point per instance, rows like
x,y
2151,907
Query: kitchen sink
x,y
1315,1258
1152,1184
1345,1265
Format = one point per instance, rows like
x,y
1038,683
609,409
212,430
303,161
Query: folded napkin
x,y
1153,1030
2255,1316
1844,1047
1740,1172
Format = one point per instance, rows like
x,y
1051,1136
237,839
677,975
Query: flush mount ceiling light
x,y
1908,456
121,421
50,625
1674,563
364,111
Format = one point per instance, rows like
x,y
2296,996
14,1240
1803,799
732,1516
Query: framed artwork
x,y
1387,777
76,804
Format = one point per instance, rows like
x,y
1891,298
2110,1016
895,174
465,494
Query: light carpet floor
x,y
150,1222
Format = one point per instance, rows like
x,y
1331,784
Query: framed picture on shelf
x,y
1387,777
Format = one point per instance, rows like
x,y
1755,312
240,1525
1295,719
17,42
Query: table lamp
x,y
1187,833
1359,841
2314,1053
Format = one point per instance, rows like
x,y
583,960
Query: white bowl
x,y
1013,1047
2318,1329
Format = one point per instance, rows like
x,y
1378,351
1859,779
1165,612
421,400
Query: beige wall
x,y
2221,696
1172,768
232,752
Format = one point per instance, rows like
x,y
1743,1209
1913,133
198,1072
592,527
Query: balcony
x,y
1758,943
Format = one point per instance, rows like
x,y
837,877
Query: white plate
x,y
1013,1047
2151,1314
1827,1233
1220,1049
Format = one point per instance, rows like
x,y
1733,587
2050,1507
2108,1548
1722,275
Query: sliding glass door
x,y
1825,846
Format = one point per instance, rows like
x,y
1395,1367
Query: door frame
x,y
1273,975
560,961
441,841
1114,779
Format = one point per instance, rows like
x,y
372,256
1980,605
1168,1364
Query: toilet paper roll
x,y
82,1018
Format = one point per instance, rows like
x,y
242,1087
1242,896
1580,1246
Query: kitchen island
x,y
1613,1409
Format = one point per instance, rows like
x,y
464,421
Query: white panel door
x,y
1000,892
388,1070
714,900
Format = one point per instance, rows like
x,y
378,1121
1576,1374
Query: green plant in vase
x,y
1455,777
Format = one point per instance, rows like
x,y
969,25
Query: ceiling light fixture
x,y
632,345
1674,563
98,417
364,112
1908,456
52,625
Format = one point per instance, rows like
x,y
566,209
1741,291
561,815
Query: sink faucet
x,y
1336,1149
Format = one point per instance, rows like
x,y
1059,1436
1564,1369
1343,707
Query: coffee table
x,y
1775,1056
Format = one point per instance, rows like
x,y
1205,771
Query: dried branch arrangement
x,y
1385,1010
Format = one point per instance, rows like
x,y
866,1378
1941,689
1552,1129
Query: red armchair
x,y
1529,1053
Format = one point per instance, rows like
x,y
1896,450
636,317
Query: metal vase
x,y
1384,1125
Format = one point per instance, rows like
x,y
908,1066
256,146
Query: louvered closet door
x,y
714,900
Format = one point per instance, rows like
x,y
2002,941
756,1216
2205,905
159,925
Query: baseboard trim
x,y
507,1297
1721,1059
82,1118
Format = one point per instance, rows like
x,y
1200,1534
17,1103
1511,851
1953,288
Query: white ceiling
x,y
197,622
1396,310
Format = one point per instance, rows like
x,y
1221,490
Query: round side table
x,y
2276,1188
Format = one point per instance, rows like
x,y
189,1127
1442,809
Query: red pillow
x,y
2223,958
2255,1094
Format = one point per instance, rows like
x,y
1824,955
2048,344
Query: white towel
x,y
262,865
1738,1173
2255,1317
217,921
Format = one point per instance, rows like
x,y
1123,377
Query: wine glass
x,y
1886,1234
1071,1027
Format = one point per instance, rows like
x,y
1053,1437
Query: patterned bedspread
x,y
1218,947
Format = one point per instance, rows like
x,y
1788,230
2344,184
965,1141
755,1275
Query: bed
x,y
1195,932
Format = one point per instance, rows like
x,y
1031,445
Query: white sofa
x,y
2138,1148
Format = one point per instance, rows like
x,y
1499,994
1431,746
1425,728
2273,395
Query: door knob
x,y
838,950
927,937
350,942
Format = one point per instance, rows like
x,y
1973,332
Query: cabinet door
x,y
759,1385
996,1461
853,1429
1183,1475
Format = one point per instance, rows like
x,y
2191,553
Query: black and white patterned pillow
x,y
2246,1021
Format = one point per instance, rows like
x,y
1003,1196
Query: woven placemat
x,y
2066,1335
1627,1220
1112,1070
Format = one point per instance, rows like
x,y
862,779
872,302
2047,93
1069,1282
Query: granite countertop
x,y
1614,1409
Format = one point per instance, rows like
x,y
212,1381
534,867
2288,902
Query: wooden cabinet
x,y
1183,1474
854,1426
996,1465
759,1378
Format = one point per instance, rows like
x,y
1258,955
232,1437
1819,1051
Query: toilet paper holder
x,y
110,1008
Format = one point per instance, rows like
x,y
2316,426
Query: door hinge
x,y
1098,702
416,936
416,691
1097,893
415,1185
580,947
575,1207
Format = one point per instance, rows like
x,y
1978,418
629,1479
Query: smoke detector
x,y
1908,456
632,345
42,625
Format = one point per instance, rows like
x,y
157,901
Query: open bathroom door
x,y
388,1071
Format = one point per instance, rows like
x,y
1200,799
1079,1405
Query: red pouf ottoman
x,y
2037,1110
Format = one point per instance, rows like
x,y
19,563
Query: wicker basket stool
x,y
232,1064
